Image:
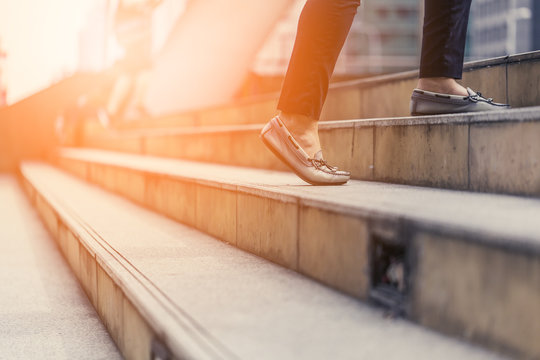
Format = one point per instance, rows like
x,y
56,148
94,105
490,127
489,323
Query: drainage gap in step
x,y
388,274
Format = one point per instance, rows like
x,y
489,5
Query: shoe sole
x,y
300,175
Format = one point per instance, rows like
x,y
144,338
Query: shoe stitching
x,y
431,98
286,137
322,164
317,163
448,99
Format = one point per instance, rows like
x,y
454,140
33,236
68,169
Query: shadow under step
x,y
467,264
488,152
167,291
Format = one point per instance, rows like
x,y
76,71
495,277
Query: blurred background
x,y
42,43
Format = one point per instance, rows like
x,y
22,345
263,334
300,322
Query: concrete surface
x,y
335,228
497,216
513,79
256,309
44,314
473,151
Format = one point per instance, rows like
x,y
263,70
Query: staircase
x,y
439,230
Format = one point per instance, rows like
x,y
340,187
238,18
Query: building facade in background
x,y
503,27
385,37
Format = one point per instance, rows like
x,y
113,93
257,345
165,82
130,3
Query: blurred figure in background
x,y
132,25
322,29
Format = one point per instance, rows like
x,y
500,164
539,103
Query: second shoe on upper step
x,y
431,103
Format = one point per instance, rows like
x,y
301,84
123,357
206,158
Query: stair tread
x,y
521,114
45,314
254,308
493,216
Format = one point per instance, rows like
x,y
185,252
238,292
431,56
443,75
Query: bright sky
x,y
41,41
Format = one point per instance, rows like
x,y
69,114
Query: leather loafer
x,y
315,170
430,103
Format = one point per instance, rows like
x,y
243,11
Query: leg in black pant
x,y
322,30
444,35
441,63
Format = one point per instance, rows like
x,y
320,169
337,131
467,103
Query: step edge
x,y
141,292
483,236
527,114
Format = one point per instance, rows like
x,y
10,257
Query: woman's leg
x,y
322,30
443,46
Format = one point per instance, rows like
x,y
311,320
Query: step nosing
x,y
120,212
526,114
313,196
117,266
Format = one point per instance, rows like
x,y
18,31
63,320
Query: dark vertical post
x,y
535,25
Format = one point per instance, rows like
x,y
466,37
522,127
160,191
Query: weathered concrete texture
x,y
250,111
387,99
363,162
226,146
247,149
341,104
268,227
490,81
434,155
250,306
468,209
88,273
493,221
72,253
44,314
216,212
137,336
505,158
494,299
124,181
369,97
172,198
524,84
110,305
338,146
428,150
334,249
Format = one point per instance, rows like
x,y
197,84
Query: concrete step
x,y
170,291
512,79
467,264
44,312
488,152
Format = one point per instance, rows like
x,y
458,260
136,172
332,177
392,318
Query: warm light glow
x,y
41,41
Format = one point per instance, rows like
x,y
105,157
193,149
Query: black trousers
x,y
323,28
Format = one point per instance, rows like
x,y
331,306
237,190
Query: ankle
x,y
305,131
298,122
442,85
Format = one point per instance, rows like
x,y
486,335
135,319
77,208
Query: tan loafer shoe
x,y
429,103
315,170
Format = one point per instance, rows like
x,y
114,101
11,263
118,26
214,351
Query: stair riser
x,y
487,295
131,333
333,246
499,157
116,297
516,82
